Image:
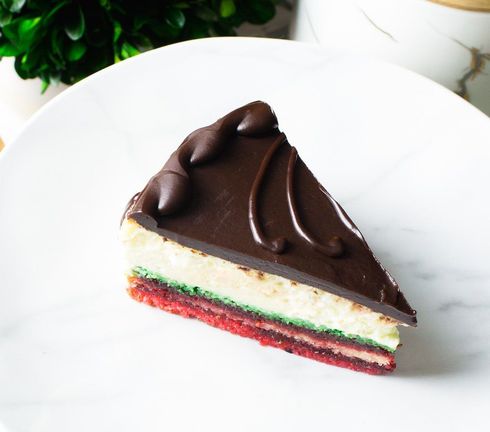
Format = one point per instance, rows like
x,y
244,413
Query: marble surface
x,y
448,45
407,159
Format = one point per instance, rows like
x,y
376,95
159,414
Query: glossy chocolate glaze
x,y
334,247
279,244
237,190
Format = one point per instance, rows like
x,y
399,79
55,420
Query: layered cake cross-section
x,y
235,231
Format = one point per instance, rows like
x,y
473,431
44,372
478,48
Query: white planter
x,y
448,45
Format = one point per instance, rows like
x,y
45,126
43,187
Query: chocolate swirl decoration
x,y
334,247
170,189
279,244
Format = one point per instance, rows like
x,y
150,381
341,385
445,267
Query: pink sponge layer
x,y
325,348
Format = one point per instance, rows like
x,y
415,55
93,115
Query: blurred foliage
x,y
67,40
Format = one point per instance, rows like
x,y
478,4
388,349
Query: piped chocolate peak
x,y
237,190
170,189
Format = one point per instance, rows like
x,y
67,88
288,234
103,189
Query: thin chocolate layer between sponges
x,y
197,291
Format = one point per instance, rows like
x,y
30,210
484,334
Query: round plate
x,y
407,159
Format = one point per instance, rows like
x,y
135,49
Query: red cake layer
x,y
320,346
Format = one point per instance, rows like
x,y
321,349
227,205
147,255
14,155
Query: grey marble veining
x,y
77,354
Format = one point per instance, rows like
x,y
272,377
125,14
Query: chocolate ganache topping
x,y
236,189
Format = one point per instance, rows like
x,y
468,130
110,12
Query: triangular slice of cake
x,y
237,232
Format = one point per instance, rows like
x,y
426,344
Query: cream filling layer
x,y
268,292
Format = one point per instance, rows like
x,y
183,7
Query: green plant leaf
x,y
21,68
7,49
175,18
75,26
5,17
44,86
21,31
28,27
128,50
163,30
142,43
76,51
32,61
57,42
140,21
227,8
58,61
198,30
17,5
117,31
67,40
205,13
53,11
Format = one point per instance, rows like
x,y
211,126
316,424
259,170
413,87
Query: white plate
x,y
409,161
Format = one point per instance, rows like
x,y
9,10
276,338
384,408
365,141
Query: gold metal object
x,y
473,5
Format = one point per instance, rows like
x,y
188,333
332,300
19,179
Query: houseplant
x,y
66,40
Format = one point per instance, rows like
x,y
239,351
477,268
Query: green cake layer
x,y
197,291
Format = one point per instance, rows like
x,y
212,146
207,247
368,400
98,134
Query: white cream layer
x,y
257,289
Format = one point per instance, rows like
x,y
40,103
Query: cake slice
x,y
237,232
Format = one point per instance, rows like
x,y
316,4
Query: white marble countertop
x,y
77,354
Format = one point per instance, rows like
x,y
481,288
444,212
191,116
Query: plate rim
x,y
321,50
